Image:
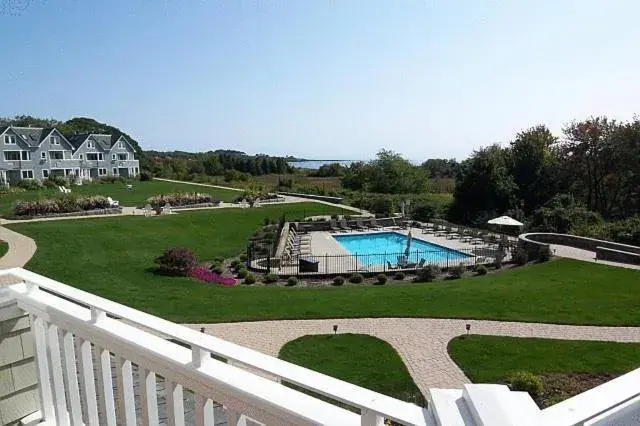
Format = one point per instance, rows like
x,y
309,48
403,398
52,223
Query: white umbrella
x,y
505,221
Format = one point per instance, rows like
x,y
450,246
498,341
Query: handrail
x,y
362,398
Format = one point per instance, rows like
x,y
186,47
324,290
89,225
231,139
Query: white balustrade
x,y
80,339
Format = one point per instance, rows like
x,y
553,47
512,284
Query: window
x,y
9,140
115,172
27,174
54,140
92,157
136,169
43,155
113,157
45,174
102,172
100,157
91,144
11,155
56,155
121,145
25,155
122,157
82,156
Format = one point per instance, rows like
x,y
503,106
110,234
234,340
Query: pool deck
x,y
332,256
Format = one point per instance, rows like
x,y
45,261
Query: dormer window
x,y
43,155
121,145
9,140
54,140
91,144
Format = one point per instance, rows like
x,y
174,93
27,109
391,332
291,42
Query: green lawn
x,y
4,247
355,358
112,257
565,367
490,359
118,191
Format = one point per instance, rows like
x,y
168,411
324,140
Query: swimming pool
x,y
382,247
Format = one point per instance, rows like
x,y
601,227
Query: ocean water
x,y
316,164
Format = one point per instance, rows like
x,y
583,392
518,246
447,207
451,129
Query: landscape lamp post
x,y
468,327
335,329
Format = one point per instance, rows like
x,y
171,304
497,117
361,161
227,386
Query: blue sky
x,y
321,79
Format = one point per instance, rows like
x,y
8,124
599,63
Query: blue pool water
x,y
382,247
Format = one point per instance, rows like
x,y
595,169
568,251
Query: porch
x,y
99,362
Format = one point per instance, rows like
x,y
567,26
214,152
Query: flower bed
x,y
181,199
203,274
63,205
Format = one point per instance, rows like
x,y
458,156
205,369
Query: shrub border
x,y
94,212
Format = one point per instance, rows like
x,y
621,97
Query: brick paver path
x,y
21,249
421,342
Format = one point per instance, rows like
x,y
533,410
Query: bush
x,y
242,273
243,258
356,278
456,272
291,281
234,263
521,258
497,262
180,199
381,279
30,184
480,270
250,279
544,254
176,261
218,269
54,182
399,276
337,281
270,278
427,274
526,382
145,176
67,203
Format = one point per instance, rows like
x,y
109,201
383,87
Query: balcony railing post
x,y
199,356
38,327
204,412
371,418
97,315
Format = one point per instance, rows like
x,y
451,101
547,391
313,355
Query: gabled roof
x,y
33,136
102,142
125,140
77,140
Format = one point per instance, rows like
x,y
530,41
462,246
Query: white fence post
x,y
149,400
72,379
105,386
204,411
38,328
174,403
88,381
371,418
126,402
59,397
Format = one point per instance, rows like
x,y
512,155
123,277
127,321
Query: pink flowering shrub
x,y
203,274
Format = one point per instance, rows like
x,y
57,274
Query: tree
x,y
484,186
533,162
389,173
441,168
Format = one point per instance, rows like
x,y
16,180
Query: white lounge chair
x,y
112,202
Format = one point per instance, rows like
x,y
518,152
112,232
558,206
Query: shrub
x,y
381,279
250,279
242,273
145,176
521,258
456,272
29,184
399,275
480,270
234,263
337,281
176,261
356,278
526,382
67,203
243,257
218,269
427,274
180,199
291,281
54,182
202,274
271,278
544,254
498,260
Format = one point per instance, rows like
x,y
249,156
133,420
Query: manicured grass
x,y
490,359
118,191
355,358
113,256
4,247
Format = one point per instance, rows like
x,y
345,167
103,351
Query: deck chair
x,y
390,266
333,226
343,225
374,224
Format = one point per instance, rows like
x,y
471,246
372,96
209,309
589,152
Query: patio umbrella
x,y
408,249
505,221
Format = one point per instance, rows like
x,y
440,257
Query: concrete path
x,y
421,342
586,256
21,249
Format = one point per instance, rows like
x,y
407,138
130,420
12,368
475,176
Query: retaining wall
x,y
532,242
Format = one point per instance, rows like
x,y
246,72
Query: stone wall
x,y
532,242
334,200
18,379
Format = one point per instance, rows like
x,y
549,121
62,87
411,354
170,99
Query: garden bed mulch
x,y
561,386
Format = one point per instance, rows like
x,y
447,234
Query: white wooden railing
x,y
80,338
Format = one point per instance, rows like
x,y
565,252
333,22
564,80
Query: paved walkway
x,y
421,342
586,256
21,249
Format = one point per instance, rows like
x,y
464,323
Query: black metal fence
x,y
346,264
